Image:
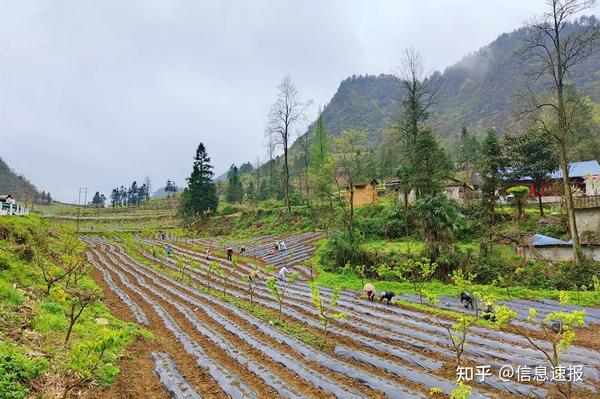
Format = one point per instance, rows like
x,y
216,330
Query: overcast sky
x,y
101,93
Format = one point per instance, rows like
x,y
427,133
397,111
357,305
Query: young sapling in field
x,y
251,280
326,312
417,272
213,270
279,292
74,301
558,329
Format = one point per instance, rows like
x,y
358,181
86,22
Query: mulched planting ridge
x,y
378,351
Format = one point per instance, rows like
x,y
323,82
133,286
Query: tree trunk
x,y
351,222
539,195
562,131
564,166
287,179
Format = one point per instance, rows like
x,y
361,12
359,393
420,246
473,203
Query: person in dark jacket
x,y
467,300
229,254
388,296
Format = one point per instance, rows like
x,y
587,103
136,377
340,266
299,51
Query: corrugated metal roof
x,y
579,169
576,169
540,240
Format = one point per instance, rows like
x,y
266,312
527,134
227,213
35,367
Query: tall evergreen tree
x,y
250,193
491,167
200,196
114,197
235,191
429,164
533,155
132,194
468,152
321,166
96,199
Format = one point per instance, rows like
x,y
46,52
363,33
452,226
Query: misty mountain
x,y
17,185
479,92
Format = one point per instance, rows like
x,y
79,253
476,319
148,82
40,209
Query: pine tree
x,y
468,152
96,201
235,191
429,164
132,197
48,198
321,166
114,197
533,155
491,167
251,192
200,196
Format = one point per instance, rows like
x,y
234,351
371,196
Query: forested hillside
x,y
478,92
12,183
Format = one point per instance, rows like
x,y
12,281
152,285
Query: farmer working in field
x,y
489,313
229,254
254,276
207,253
467,300
370,291
283,272
388,296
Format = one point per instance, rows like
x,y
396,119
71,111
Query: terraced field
x,y
212,348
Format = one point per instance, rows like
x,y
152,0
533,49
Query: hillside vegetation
x,y
17,185
478,92
47,347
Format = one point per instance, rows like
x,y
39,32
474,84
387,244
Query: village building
x,y
8,206
454,189
459,191
584,177
542,247
365,193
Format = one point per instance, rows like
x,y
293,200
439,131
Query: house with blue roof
x,y
542,247
584,177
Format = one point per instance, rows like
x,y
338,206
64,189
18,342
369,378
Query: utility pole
x,y
82,190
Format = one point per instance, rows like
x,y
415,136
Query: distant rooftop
x,y
579,169
540,240
576,169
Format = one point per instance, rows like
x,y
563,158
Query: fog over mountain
x,y
99,94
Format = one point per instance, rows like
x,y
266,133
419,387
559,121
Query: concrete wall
x,y
588,219
560,253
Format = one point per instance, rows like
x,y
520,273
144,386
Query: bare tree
x,y
286,113
556,47
421,88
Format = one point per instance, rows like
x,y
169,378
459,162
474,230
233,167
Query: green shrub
x,y
16,370
539,275
573,277
380,221
340,250
553,230
488,268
